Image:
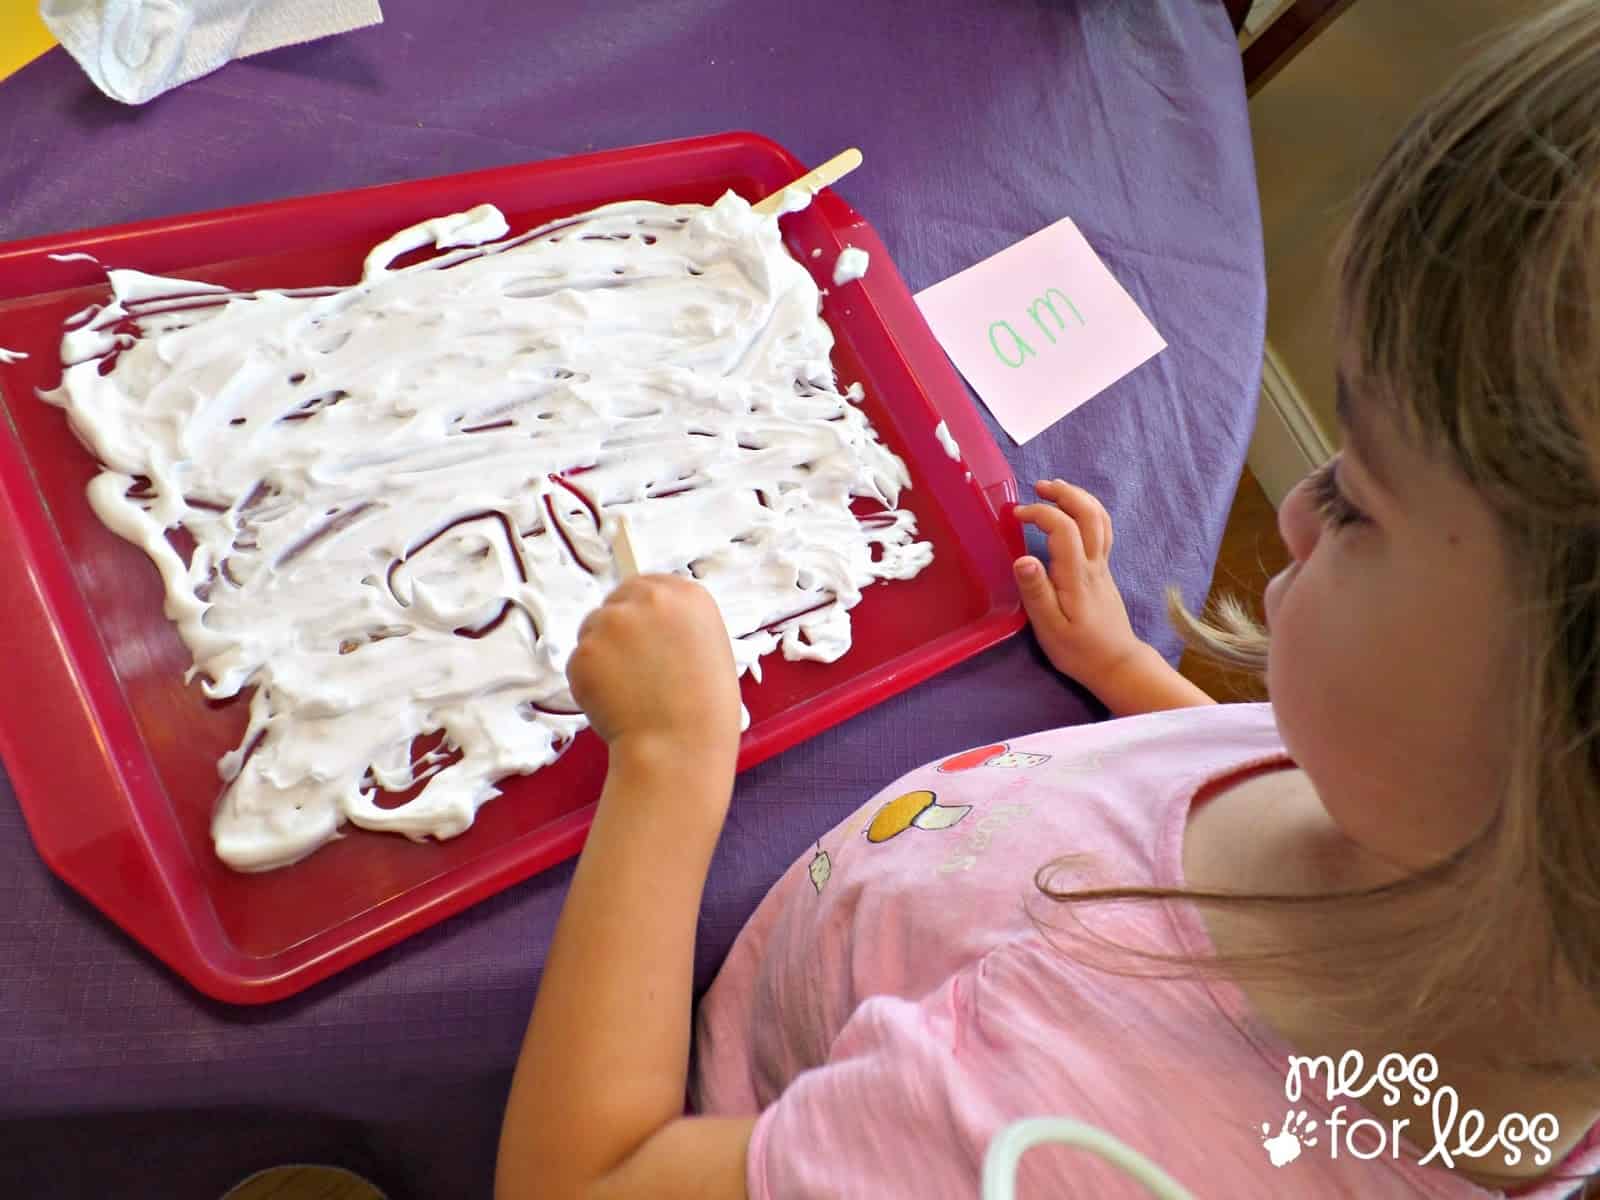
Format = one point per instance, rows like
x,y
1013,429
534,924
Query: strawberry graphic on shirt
x,y
999,754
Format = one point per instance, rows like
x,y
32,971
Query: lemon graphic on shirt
x,y
920,809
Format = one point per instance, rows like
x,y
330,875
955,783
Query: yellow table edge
x,y
23,36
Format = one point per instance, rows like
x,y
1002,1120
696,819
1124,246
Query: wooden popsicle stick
x,y
813,181
622,548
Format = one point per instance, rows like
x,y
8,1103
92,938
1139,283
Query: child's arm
x,y
596,1106
1077,612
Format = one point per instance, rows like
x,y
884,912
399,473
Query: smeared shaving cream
x,y
396,490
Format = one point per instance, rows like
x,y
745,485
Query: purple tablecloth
x,y
981,123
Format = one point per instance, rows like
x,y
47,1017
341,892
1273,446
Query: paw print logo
x,y
1291,1138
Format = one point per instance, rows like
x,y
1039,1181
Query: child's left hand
x,y
1077,612
1075,608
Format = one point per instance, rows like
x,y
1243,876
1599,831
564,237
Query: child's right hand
x,y
1075,608
653,666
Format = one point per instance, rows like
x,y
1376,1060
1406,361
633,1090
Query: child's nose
x,y
1298,522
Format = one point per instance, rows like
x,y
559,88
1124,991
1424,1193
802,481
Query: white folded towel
x,y
137,49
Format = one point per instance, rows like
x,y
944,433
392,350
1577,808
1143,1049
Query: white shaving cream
x,y
850,265
396,491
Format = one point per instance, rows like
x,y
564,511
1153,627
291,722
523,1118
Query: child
x,y
1139,924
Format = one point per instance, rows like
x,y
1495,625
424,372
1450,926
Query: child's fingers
x,y
1063,539
1050,521
1039,599
1093,522
1084,508
1079,507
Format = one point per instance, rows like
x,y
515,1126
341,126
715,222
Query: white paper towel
x,y
137,49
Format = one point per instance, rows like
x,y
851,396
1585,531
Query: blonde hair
x,y
1469,279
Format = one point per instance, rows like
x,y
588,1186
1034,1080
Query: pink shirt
x,y
896,1000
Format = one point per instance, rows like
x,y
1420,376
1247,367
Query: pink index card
x,y
1039,328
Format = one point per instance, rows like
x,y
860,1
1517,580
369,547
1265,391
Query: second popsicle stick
x,y
813,181
622,554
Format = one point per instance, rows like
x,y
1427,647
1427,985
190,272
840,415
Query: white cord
x,y
1016,1139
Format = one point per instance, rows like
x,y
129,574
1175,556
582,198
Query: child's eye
x,y
1332,505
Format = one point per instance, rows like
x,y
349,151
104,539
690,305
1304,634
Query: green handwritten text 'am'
x,y
1011,348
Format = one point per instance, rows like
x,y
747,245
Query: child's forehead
x,y
1369,431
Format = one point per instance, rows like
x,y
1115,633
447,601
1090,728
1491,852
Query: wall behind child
x,y
1320,127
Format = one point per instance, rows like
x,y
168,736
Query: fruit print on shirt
x,y
919,809
999,754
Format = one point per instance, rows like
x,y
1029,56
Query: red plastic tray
x,y
114,758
